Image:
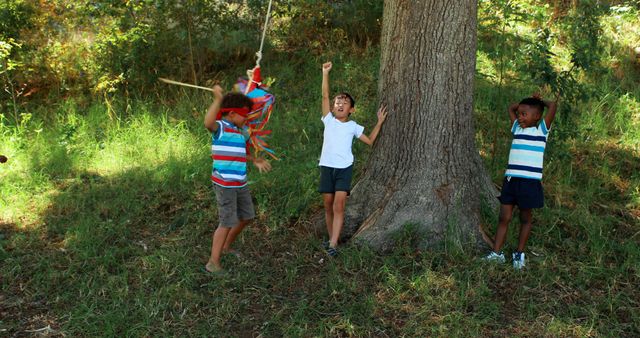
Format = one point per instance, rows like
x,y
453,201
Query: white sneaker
x,y
518,260
494,257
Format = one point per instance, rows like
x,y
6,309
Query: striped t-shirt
x,y
527,151
229,154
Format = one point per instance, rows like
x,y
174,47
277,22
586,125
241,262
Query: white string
x,y
264,33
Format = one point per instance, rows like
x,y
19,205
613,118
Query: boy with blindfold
x,y
226,120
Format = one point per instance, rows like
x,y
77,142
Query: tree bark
x,y
425,170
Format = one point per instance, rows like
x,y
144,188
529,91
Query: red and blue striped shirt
x,y
229,154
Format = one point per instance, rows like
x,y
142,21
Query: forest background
x,y
106,211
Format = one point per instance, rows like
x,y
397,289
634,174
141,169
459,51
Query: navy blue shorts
x,y
334,179
526,193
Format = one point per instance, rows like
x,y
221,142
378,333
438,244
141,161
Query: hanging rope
x,y
264,33
261,98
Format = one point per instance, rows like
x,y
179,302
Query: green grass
x,y
105,223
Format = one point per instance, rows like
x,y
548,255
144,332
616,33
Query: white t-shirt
x,y
338,138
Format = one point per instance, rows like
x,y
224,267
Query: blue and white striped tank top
x,y
527,151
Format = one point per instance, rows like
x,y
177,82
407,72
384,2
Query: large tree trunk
x,y
425,170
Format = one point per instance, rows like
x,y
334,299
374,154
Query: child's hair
x,y
236,100
345,95
533,102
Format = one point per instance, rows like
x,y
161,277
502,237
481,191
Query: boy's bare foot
x,y
212,268
233,252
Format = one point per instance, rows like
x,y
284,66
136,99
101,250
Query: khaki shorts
x,y
234,205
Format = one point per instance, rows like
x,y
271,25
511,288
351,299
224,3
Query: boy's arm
x,y
249,81
212,112
513,108
382,115
326,106
552,107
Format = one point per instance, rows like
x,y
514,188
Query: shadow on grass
x,y
96,244
120,255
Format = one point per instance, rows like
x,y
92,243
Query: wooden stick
x,y
183,84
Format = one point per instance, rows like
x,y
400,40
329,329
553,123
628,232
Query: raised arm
x,y
212,112
552,106
382,115
513,108
326,105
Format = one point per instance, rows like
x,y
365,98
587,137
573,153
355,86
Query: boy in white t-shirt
x,y
336,160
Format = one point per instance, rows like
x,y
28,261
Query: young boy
x,y
225,119
522,183
336,160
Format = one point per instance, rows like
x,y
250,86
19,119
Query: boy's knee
x,y
525,217
504,219
328,199
525,221
222,229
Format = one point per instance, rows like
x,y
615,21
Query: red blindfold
x,y
244,112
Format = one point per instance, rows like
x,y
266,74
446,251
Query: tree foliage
x,y
554,28
97,47
108,46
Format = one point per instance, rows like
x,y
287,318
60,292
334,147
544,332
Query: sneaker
x,y
332,252
518,260
325,245
494,257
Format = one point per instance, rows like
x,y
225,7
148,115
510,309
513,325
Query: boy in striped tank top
x,y
522,185
225,119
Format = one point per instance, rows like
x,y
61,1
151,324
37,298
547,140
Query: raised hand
x,y
217,92
326,67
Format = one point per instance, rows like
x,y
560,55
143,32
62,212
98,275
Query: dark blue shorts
x,y
526,193
333,179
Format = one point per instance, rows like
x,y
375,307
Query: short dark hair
x,y
236,100
533,102
345,95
